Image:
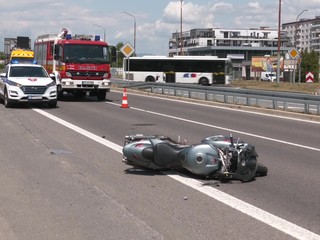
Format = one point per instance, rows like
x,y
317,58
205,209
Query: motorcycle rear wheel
x,y
262,170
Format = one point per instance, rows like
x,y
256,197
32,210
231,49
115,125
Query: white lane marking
x,y
88,134
246,208
225,129
257,213
228,108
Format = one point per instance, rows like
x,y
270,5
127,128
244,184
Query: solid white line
x,y
257,213
227,108
225,129
90,135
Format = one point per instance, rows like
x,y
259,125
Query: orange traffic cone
x,y
124,99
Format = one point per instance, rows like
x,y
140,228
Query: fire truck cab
x,y
80,63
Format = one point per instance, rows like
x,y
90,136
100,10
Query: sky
x,y
156,20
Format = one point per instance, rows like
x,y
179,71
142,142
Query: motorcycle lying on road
x,y
218,156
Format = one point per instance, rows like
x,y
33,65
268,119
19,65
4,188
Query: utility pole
x,y
181,40
279,42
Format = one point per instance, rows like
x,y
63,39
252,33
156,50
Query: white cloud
x,y
221,6
254,5
37,17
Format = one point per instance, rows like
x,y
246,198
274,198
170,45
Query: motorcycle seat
x,y
166,155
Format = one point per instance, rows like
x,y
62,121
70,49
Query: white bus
x,y
204,70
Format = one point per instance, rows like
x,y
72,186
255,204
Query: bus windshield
x,y
79,53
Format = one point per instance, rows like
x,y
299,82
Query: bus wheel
x,y
150,79
204,81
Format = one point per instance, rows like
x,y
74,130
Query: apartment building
x,y
304,34
238,44
263,38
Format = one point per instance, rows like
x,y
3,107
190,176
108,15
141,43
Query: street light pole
x,y
300,14
134,28
104,31
181,40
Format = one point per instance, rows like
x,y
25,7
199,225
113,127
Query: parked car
x,y
27,83
268,76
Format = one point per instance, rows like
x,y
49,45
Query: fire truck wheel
x,y
102,95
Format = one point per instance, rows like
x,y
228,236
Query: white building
x,y
304,34
218,37
238,44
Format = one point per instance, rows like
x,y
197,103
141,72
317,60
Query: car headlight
x,y
53,83
12,83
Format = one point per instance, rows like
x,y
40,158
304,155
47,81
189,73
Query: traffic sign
x,y
309,77
293,53
127,50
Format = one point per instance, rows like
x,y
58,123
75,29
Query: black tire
x,y
6,101
262,170
59,92
150,79
102,95
53,104
204,81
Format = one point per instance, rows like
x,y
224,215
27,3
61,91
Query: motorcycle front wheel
x,y
262,170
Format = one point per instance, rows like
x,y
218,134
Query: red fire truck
x,y
80,64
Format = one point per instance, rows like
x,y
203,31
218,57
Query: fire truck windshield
x,y
86,54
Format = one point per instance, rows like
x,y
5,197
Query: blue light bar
x,y
68,36
97,38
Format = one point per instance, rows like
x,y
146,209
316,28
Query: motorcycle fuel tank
x,y
201,159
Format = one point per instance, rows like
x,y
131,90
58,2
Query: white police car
x,y
27,83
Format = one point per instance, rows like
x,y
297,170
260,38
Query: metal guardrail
x,y
286,101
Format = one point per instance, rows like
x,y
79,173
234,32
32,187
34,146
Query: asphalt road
x,y
61,175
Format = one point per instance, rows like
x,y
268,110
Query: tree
x,y
310,63
120,55
2,56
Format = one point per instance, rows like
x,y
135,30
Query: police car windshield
x,y
27,71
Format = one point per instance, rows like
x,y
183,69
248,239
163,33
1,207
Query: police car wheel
x,y
52,104
7,102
